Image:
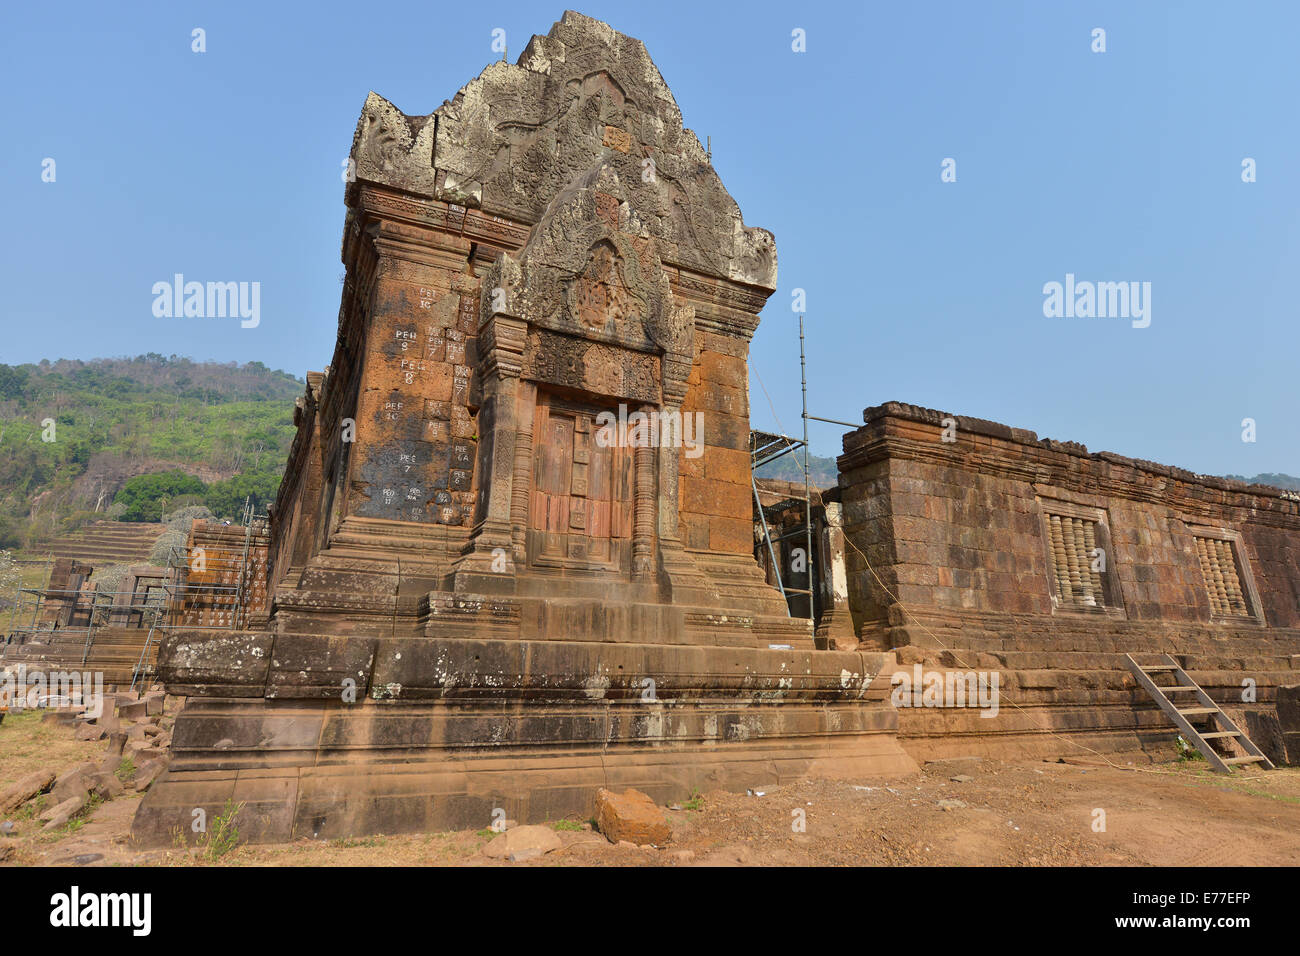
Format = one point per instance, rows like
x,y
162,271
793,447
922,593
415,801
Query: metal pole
x,y
767,536
834,421
139,665
807,495
243,564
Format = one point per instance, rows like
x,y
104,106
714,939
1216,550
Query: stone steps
x,y
106,542
114,651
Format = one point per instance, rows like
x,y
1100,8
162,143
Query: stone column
x,y
643,520
526,403
834,620
487,563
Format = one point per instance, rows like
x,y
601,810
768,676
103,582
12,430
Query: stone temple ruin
x,y
514,556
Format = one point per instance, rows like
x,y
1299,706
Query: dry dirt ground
x,y
1029,813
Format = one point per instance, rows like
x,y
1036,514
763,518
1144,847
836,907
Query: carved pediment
x,y
598,296
517,135
590,268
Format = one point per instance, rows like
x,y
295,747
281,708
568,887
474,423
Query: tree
x,y
12,381
147,496
226,498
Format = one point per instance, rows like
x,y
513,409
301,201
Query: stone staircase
x,y
114,652
106,542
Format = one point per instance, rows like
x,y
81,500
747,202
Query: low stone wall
x,y
991,550
225,581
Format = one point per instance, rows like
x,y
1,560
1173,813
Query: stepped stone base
x,y
1065,689
530,727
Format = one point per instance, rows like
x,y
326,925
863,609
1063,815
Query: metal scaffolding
x,y
767,447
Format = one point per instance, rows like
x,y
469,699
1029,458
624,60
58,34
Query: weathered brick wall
x,y
295,512
418,464
959,526
715,493
1276,557
212,596
67,576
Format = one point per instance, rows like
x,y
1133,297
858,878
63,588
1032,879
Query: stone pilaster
x,y
488,562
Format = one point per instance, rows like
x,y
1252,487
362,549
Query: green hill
x,y
821,471
1276,479
74,434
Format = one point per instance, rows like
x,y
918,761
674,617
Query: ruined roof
x,y
1024,436
582,96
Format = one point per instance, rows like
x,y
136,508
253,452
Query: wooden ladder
x,y
1205,707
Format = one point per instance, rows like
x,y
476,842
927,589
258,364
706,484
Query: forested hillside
x,y
74,435
821,471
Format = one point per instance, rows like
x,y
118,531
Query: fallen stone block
x,y
88,731
16,794
72,783
61,813
523,843
133,710
630,816
106,784
154,703
112,758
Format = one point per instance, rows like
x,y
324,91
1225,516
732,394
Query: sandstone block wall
x,y
223,587
715,502
962,525
967,527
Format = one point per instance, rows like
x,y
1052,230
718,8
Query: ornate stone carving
x,y
516,135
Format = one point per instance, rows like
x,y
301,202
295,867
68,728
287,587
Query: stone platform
x,y
1067,691
443,732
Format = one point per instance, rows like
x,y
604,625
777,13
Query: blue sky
x,y
1115,166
